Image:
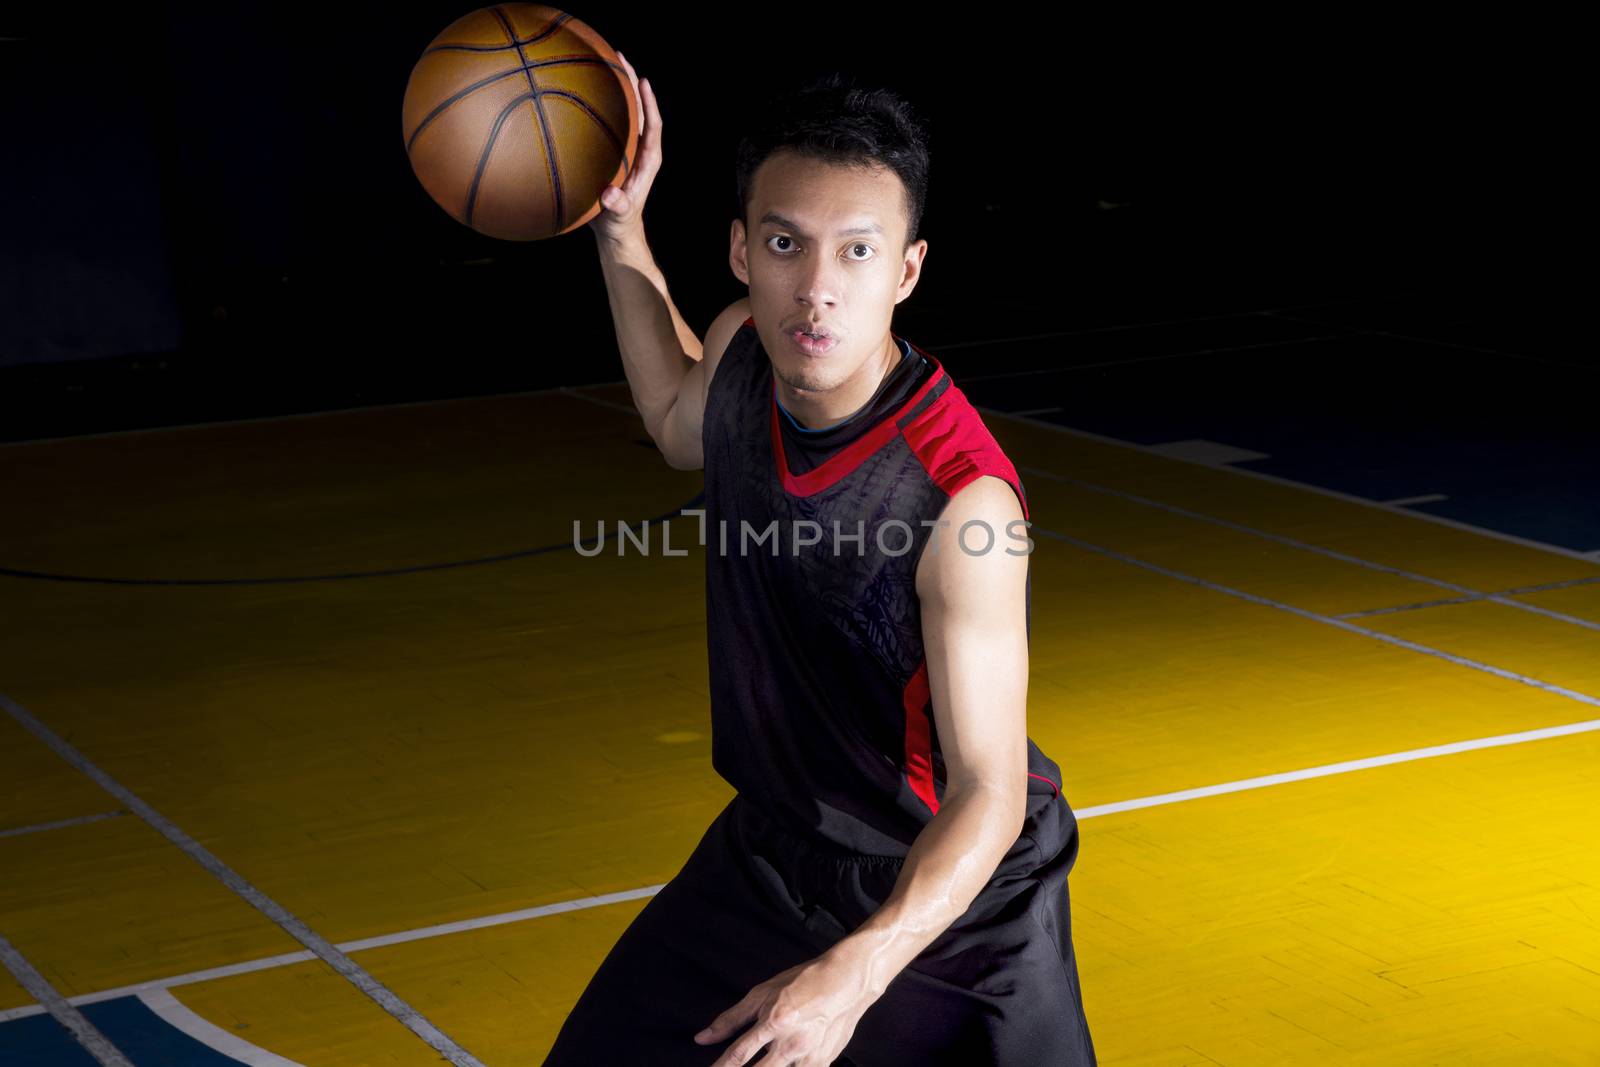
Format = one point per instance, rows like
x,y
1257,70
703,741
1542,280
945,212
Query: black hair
x,y
832,119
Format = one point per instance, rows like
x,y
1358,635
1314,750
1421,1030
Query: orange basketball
x,y
515,118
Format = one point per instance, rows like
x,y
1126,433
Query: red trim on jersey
x,y
955,447
919,738
1042,778
852,455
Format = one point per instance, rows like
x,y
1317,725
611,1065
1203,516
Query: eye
x,y
866,246
778,237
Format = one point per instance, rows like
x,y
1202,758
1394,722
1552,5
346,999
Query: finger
x,y
649,120
776,1055
730,1020
650,136
741,1051
632,77
650,108
631,182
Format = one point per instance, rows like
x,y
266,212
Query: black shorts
x,y
999,986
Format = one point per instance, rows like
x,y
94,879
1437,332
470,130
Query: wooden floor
x,y
383,754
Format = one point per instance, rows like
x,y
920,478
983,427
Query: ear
x,y
912,268
738,252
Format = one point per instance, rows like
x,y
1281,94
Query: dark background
x,y
208,211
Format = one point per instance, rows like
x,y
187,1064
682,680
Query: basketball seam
x,y
599,120
488,147
458,95
544,123
554,25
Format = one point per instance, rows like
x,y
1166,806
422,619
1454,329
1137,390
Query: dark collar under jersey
x,y
806,449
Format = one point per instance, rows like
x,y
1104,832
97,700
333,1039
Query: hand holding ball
x,y
624,206
517,116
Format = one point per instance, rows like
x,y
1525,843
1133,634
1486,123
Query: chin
x,y
799,380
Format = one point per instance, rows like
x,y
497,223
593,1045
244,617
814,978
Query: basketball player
x,y
889,885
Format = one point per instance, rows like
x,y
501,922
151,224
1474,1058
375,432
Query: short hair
x,y
832,119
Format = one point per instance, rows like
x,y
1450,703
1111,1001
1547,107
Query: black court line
x,y
43,576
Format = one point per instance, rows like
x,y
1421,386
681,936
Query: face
x,y
826,252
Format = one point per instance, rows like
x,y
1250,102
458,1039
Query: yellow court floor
x,y
344,676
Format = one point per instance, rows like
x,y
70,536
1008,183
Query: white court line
x,y
1469,594
1586,557
1329,620
524,914
1394,507
264,963
501,919
84,1031
1259,782
1542,587
287,959
386,998
1343,767
178,1016
59,824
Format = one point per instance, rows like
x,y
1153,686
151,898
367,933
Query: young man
x,y
889,886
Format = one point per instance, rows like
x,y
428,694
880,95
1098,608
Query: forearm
x,y
657,346
951,860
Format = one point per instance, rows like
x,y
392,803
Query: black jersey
x,y
820,704
806,448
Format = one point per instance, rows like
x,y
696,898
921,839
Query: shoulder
x,y
734,322
954,446
988,499
977,554
730,344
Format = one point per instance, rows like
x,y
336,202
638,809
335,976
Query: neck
x,y
818,411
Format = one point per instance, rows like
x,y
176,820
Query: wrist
x,y
628,245
878,953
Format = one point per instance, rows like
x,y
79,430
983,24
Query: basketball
x,y
515,117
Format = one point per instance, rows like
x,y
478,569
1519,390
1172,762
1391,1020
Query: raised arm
x,y
668,368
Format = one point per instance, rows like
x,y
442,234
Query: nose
x,y
817,284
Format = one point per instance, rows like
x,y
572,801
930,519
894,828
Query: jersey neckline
x,y
851,456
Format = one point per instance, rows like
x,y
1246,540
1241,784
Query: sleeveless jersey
x,y
805,448
820,706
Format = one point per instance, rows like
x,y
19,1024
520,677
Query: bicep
x,y
974,628
679,436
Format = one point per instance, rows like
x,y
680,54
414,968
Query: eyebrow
x,y
857,231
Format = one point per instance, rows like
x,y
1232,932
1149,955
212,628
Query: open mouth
x,y
811,343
